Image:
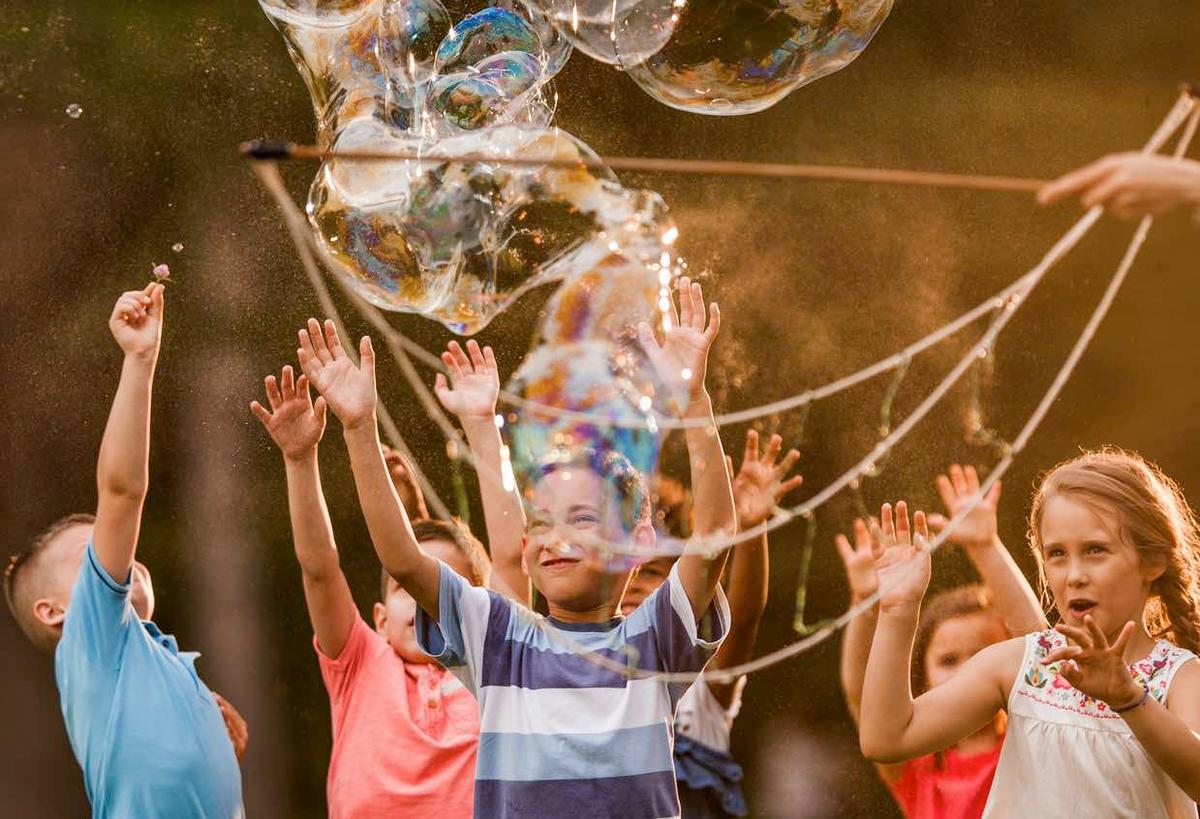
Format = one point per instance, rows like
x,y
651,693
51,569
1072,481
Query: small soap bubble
x,y
177,247
74,110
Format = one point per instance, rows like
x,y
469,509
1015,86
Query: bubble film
x,y
456,241
731,57
619,32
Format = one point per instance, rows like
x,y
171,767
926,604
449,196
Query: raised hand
x,y
760,483
903,568
1130,185
475,378
979,528
235,726
1093,666
405,481
860,558
294,422
348,389
137,320
682,358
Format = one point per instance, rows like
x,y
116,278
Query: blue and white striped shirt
x,y
559,734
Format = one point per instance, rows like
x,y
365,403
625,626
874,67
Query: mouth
x,y
559,562
1081,606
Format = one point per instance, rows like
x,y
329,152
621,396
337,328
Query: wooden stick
x,y
774,170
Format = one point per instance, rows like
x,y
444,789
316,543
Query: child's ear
x,y
49,612
380,612
524,561
1153,567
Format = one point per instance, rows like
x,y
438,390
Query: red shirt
x,y
954,787
404,735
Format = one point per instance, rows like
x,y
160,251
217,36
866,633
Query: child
x,y
954,626
560,733
149,735
404,731
710,777
1102,708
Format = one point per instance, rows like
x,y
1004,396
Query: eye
x,y
1095,549
948,660
1055,551
584,519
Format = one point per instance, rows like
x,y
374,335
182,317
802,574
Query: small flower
x,y
161,272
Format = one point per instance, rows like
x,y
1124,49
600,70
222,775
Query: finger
x,y
921,526
774,444
302,390
845,550
317,336
1119,645
1099,641
1076,635
714,322
260,412
476,355
791,484
287,383
993,495
440,388
972,479
887,529
1059,654
751,452
876,536
685,301
945,492
862,536
1104,190
156,300
333,340
646,338
937,522
307,352
1076,181
273,395
903,530
451,362
460,356
319,407
489,360
957,478
697,306
367,353
1070,672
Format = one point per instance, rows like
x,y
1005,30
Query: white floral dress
x,y
1066,754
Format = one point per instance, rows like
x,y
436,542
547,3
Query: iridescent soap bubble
x,y
74,110
483,34
410,32
730,57
619,32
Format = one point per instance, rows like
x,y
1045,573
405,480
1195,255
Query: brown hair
x,y
958,602
21,589
1153,517
451,531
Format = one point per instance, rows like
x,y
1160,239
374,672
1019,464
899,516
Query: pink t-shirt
x,y
404,734
957,788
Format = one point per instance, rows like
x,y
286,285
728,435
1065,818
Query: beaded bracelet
x,y
1138,704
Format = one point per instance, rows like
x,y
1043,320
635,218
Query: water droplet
x,y
74,110
177,247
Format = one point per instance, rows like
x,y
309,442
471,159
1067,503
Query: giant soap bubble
x,y
453,239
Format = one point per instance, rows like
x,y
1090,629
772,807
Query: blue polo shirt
x,y
144,727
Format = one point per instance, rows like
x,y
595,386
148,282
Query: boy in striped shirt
x,y
561,734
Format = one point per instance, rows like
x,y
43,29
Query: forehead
x,y
976,628
568,486
448,552
1065,518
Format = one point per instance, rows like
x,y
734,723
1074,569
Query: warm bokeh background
x,y
815,280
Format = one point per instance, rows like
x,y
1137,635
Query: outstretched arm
x,y
681,362
893,727
476,386
1130,185
123,469
760,483
296,425
978,535
350,392
859,561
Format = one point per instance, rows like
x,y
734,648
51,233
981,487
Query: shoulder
x,y
1000,662
1183,685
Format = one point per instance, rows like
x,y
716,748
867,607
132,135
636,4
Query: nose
x,y
1077,575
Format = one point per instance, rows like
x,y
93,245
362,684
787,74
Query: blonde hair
x,y
1152,516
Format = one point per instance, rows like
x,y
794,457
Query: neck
x,y
601,613
1140,644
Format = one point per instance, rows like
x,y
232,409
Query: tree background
x,y
815,279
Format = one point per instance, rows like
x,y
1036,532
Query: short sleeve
x,y
100,616
339,673
456,638
685,645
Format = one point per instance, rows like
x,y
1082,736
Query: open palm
x,y
903,568
978,527
474,382
760,482
294,422
681,360
349,389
